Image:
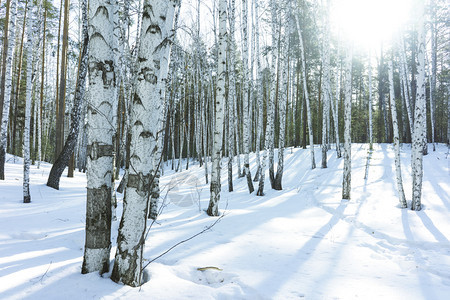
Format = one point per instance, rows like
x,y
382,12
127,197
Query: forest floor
x,y
303,242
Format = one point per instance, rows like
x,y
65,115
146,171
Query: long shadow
x,y
424,281
439,236
308,248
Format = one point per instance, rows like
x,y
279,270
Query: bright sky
x,y
367,23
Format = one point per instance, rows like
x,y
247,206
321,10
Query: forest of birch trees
x,y
135,85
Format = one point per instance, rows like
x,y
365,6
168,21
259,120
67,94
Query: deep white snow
x,y
303,242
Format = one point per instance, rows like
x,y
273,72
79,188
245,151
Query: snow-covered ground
x,y
301,242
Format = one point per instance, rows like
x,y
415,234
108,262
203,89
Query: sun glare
x,y
368,22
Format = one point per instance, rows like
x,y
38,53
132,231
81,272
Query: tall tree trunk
x,y
273,97
67,152
398,170
336,104
419,114
231,96
41,105
346,181
62,84
100,127
305,92
5,100
259,93
406,88
26,129
148,106
433,71
213,208
6,37
246,98
282,103
325,87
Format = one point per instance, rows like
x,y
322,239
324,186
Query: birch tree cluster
x,y
105,85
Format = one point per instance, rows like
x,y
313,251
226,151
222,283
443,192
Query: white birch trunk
x,y
325,87
370,104
245,106
398,170
418,135
231,96
346,181
282,103
335,107
148,105
305,91
404,79
8,84
100,130
215,187
258,91
26,130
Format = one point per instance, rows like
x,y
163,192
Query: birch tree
x,y
26,130
398,170
419,133
148,106
325,85
305,91
282,103
346,180
259,96
213,208
245,106
231,95
100,127
10,31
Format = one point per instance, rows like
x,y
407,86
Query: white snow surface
x,y
303,242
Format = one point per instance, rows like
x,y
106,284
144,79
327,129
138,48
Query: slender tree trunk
x,y
5,55
67,152
272,100
336,106
282,103
26,129
433,71
62,84
245,100
231,96
215,187
404,79
100,127
370,104
41,105
305,91
5,100
398,170
419,114
325,88
346,181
